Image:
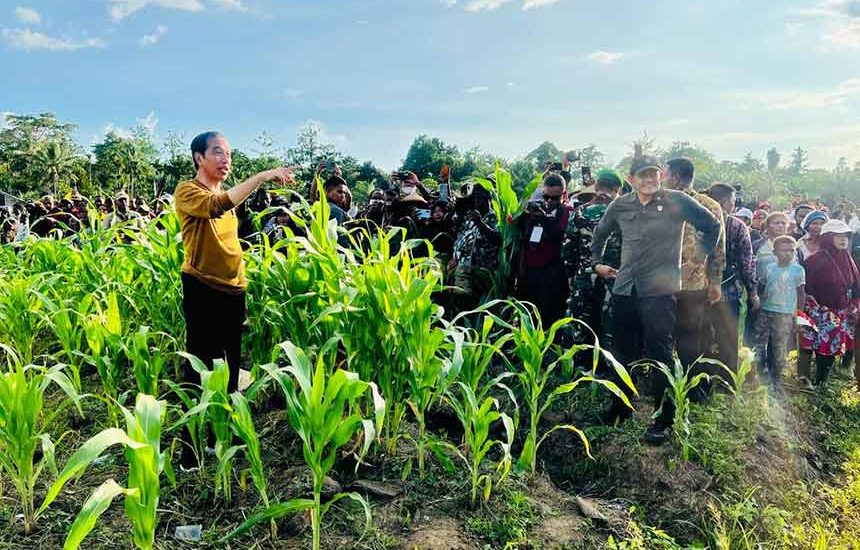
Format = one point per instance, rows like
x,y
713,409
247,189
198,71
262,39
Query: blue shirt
x,y
780,288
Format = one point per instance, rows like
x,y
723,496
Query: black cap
x,y
643,163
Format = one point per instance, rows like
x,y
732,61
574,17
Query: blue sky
x,y
730,75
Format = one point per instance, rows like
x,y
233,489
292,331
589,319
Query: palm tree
x,y
55,162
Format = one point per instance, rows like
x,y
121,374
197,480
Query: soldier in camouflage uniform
x,y
589,299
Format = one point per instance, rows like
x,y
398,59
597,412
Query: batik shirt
x,y
740,263
699,269
472,249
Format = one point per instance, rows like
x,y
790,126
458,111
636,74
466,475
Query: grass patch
x,y
506,522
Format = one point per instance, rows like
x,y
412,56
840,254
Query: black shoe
x,y
657,434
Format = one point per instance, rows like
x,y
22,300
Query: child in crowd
x,y
783,282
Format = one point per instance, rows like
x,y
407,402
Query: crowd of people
x,y
49,217
656,268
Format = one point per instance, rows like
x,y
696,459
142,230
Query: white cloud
x,y
449,3
26,39
236,5
803,101
120,9
530,4
4,119
293,93
793,29
484,5
841,30
476,90
111,128
604,57
510,84
148,123
150,39
475,6
28,15
844,36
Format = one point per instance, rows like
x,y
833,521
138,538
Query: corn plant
x,y
227,416
146,462
156,254
24,425
213,408
389,329
680,382
539,357
145,352
480,347
508,207
734,381
477,418
66,325
103,331
429,375
323,409
21,305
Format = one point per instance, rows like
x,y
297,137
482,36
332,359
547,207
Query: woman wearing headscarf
x,y
833,296
811,225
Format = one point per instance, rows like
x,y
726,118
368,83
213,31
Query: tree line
x,y
39,155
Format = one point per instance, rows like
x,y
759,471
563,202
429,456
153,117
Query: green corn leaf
x,y
276,510
92,509
88,452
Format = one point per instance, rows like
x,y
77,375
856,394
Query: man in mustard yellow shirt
x,y
213,274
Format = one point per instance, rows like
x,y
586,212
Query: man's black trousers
x,y
644,329
213,327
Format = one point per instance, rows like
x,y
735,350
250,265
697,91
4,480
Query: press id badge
x,y
537,233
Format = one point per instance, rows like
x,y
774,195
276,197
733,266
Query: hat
x,y
811,217
588,190
414,198
121,195
645,162
837,227
744,213
610,176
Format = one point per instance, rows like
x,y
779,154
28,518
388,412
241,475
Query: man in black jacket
x,y
651,223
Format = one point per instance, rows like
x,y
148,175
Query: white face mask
x,y
408,189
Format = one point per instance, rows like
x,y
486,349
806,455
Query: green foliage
x,y
508,207
540,356
323,409
477,418
25,424
146,462
103,331
508,523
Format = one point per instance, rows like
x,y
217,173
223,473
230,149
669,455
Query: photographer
x,y
476,247
542,278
